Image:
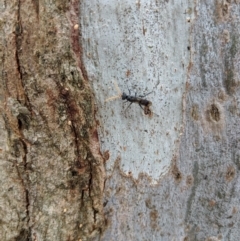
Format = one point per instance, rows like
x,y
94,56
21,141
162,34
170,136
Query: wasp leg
x,y
129,91
145,95
141,106
128,107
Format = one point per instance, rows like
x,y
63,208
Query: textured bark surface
x,y
198,199
51,170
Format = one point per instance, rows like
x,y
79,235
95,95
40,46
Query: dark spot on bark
x,y
148,203
230,174
176,173
153,219
74,173
19,124
97,122
225,9
23,121
65,93
24,235
214,113
105,203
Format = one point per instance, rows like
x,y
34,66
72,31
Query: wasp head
x,y
124,96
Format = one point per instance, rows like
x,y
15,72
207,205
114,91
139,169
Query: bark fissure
x,y
18,39
90,191
21,95
24,177
73,115
22,122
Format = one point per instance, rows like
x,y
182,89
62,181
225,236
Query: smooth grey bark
x,y
197,198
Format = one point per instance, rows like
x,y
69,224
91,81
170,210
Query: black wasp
x,y
143,103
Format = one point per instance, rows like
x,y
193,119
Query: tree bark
x,y
174,176
52,172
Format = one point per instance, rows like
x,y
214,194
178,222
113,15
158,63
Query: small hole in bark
x,y
176,174
20,124
74,173
23,121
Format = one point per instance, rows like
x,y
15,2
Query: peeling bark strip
x,y
76,36
51,166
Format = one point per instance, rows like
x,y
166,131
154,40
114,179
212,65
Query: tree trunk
x,y
171,174
52,173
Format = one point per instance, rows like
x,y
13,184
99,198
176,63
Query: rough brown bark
x,y
51,171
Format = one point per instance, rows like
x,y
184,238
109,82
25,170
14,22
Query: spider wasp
x,y
142,102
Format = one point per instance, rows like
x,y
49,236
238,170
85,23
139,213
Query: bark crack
x,y
24,177
23,99
73,113
21,95
18,39
90,185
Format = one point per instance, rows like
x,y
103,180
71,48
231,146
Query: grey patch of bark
x,y
209,151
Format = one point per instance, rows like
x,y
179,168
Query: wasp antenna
x,y
155,114
113,98
117,88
